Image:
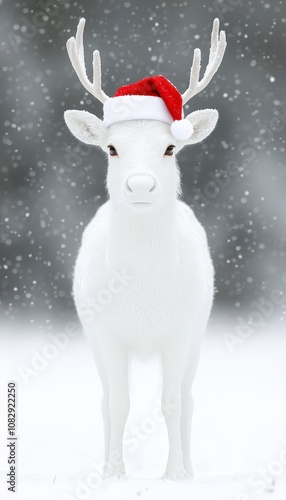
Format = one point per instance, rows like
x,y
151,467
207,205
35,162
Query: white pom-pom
x,y
182,129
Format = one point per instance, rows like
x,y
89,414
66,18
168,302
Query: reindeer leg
x,y
186,419
116,363
187,400
171,407
101,369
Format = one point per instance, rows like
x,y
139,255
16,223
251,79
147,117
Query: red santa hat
x,y
153,98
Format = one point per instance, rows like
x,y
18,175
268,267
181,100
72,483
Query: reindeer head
x,y
142,133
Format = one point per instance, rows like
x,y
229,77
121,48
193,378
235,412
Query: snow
x,y
239,435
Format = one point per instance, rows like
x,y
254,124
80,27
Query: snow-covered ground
x,y
239,426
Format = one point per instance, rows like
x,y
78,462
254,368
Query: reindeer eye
x,y
170,150
112,150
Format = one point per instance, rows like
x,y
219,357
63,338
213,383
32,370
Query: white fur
x,y
143,280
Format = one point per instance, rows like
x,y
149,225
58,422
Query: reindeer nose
x,y
140,183
141,188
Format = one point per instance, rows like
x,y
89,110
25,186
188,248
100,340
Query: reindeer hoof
x,y
114,475
175,474
117,472
189,475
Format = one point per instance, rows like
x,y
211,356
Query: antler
x,y
218,45
76,54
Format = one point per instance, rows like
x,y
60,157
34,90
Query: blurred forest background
x,y
51,186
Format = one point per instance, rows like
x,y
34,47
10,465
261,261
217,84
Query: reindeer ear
x,y
85,126
203,122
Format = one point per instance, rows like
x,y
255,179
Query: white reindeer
x,y
143,280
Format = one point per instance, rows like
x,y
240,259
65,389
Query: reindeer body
x,y
143,280
165,285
